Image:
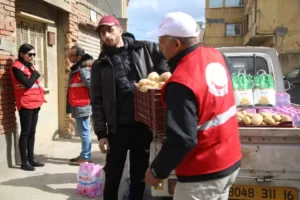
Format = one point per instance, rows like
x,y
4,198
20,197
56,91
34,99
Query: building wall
x,y
111,7
275,14
265,18
8,136
289,60
272,15
215,34
48,116
117,8
80,15
64,17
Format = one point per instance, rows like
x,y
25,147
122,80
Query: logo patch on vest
x,y
216,79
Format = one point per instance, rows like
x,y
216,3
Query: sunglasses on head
x,y
31,54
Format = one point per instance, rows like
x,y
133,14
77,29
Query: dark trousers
x,y
137,139
28,119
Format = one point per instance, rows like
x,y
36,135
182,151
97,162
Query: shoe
x,y
27,166
35,163
80,161
75,159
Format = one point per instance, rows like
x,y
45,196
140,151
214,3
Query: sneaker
x,y
75,159
80,161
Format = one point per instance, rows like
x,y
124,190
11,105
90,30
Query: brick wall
x,y
7,38
80,15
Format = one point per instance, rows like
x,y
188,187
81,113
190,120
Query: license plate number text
x,y
263,193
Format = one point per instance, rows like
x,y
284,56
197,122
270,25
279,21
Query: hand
x,y
104,145
150,179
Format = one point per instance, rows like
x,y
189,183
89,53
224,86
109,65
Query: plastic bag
x,y
90,180
264,89
242,86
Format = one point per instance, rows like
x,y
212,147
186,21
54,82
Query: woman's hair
x,y
24,48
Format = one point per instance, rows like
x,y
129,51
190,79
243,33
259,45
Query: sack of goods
x,y
90,180
242,86
264,89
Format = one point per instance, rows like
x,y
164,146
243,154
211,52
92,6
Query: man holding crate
x,y
122,62
202,142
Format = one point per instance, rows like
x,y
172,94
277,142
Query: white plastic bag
x,y
264,89
242,86
90,180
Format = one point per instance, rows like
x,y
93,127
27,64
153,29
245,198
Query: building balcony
x,y
254,38
259,26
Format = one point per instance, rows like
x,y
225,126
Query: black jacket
x,y
146,58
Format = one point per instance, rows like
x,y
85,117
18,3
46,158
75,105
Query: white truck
x,y
270,167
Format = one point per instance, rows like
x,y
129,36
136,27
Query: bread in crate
x,y
148,104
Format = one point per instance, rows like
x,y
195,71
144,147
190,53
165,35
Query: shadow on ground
x,y
97,158
73,139
44,182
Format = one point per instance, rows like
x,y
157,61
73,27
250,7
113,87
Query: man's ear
x,y
177,43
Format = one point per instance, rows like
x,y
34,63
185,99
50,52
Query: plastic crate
x,y
149,109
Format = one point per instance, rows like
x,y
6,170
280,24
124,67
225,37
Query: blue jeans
x,y
83,129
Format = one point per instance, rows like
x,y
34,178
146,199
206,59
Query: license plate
x,y
249,192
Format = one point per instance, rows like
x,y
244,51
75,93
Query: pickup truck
x,y
270,168
292,83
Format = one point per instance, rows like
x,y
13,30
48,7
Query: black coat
x,y
146,58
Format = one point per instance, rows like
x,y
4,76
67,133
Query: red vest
x,y
204,72
29,98
78,94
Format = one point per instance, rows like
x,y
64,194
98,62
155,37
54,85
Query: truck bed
x,y
271,158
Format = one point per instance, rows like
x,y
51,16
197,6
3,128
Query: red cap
x,y
109,21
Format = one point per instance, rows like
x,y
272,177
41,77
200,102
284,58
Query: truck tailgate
x,y
271,159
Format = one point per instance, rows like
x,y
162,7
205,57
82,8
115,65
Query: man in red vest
x,y
78,100
202,142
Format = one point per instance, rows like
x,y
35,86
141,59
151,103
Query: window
x,y
215,21
233,30
294,74
216,3
247,63
234,3
33,33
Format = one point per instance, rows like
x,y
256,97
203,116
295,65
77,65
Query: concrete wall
x,y
111,7
289,61
215,34
271,15
274,14
116,7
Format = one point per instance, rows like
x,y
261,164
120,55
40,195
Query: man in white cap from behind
x,y
202,144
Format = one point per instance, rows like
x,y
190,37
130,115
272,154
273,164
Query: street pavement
x,y
57,180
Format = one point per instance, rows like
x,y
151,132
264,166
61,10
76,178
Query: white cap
x,y
176,24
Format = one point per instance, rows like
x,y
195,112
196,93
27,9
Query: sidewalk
x,y
57,180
